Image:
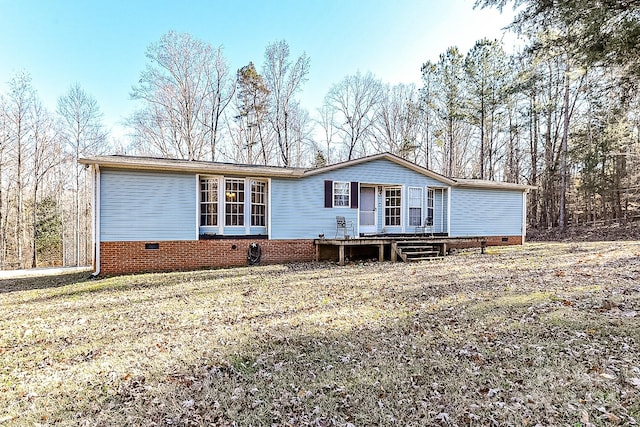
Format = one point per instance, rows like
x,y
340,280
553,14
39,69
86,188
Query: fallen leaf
x,y
634,382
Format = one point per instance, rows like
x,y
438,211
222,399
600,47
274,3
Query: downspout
x,y
449,211
96,220
524,215
269,208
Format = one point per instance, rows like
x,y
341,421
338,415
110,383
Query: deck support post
x,y
394,254
380,253
341,255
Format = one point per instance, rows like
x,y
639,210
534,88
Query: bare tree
x,y
220,93
183,92
326,122
397,125
354,100
300,134
21,98
83,134
284,80
4,141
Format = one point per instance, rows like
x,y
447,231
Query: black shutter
x,y
328,194
354,195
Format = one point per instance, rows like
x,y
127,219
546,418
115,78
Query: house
x,y
154,214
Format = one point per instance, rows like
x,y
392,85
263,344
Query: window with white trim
x,y
209,202
341,194
415,206
392,206
258,203
234,202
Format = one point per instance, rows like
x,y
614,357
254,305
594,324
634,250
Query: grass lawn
x,y
543,334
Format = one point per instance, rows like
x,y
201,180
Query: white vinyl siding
x,y
486,212
140,206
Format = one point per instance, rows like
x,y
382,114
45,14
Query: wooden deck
x,y
392,242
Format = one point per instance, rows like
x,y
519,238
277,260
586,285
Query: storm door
x,y
367,210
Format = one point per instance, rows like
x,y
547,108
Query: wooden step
x,y
428,253
426,258
417,250
419,247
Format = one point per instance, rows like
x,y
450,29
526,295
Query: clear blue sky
x,y
101,44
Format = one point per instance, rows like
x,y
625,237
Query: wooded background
x,y
562,114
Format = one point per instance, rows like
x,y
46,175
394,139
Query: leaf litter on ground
x,y
545,333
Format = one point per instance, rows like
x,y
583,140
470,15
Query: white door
x,y
368,210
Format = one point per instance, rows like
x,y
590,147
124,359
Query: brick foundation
x,y
504,240
491,241
133,257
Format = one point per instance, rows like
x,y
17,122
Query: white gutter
x,y
96,219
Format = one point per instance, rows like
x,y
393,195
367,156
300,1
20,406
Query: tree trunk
x,y
34,219
563,151
482,145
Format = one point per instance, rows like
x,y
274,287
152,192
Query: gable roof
x,y
205,167
386,156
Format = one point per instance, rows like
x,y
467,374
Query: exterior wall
x,y
485,212
139,206
298,204
132,257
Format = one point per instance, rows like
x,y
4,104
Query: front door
x,y
367,210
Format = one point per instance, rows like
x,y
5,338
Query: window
x,y
234,202
415,206
341,194
392,206
209,201
258,203
430,210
